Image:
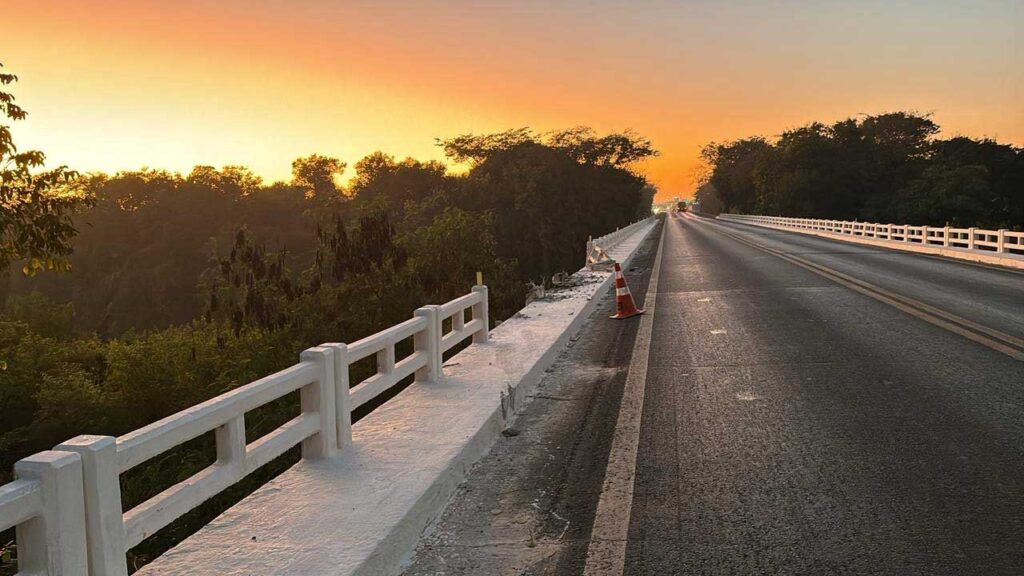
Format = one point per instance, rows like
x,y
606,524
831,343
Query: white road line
x,y
606,553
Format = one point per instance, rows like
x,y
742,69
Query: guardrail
x,y
67,504
597,247
44,505
995,241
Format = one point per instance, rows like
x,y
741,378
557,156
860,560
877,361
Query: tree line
x,y
135,295
889,168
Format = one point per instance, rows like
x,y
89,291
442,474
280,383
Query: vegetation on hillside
x,y
180,287
886,168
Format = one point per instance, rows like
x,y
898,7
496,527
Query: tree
x,y
884,168
317,174
732,171
35,205
545,201
618,149
383,184
475,148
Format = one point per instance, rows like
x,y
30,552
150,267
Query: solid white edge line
x,y
606,552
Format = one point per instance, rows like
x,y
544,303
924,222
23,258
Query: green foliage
x,y
581,144
317,175
187,287
40,315
547,198
35,205
383,185
886,168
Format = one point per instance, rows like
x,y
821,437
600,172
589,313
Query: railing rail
x,y
42,501
597,248
998,241
66,503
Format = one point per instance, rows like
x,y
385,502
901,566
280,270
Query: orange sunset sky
x,y
116,85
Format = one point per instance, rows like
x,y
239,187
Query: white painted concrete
x,y
606,553
363,513
45,505
1005,247
598,248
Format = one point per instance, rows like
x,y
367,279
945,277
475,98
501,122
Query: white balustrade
x,y
67,506
609,241
45,506
997,241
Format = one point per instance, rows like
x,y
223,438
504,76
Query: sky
x,y
121,84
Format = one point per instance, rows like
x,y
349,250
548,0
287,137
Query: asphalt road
x,y
527,507
795,426
791,424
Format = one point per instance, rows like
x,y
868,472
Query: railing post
x,y
480,310
319,398
53,543
945,236
342,395
230,440
970,238
429,342
1001,240
104,521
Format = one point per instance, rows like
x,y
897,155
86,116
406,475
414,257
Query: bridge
x,y
801,396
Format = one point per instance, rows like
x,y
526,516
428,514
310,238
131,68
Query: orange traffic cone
x,y
624,306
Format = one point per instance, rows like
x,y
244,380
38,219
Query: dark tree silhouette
x,y
35,204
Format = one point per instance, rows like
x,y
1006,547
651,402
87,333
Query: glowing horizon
x,y
117,85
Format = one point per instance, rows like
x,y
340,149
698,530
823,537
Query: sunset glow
x,y
113,85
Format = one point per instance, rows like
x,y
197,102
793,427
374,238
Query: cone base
x,y
635,312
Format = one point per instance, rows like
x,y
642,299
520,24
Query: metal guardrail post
x,y
104,521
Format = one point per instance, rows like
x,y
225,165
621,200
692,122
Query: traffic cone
x,y
624,306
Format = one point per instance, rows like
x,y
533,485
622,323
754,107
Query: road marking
x,y
606,553
990,337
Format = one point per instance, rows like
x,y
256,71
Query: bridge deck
x,y
790,424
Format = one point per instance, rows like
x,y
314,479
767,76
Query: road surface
x,y
809,407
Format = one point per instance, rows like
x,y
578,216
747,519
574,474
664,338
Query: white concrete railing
x,y
44,505
602,244
69,512
997,241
